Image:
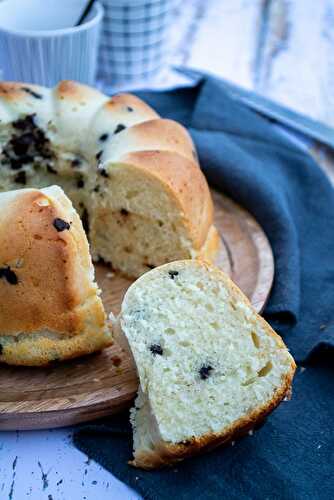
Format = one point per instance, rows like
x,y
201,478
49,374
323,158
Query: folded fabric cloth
x,y
245,156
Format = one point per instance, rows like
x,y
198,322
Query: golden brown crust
x,y
156,135
74,91
14,91
211,246
184,182
120,102
46,265
54,294
167,454
40,350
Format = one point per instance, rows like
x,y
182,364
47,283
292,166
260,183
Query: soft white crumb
x,y
188,385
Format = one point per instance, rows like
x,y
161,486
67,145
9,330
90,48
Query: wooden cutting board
x,y
100,384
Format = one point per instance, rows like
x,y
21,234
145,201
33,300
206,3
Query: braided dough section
x,y
133,177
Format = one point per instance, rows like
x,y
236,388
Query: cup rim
x,y
99,11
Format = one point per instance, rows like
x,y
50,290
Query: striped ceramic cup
x,y
49,51
135,40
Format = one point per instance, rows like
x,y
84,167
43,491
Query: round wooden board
x,y
104,383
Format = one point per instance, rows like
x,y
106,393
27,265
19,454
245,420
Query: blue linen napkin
x,y
245,156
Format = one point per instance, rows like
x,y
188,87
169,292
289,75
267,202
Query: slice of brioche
x,y
50,307
138,222
210,367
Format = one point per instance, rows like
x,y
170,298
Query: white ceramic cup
x,y
57,51
135,40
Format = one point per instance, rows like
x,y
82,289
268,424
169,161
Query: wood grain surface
x,y
281,49
104,383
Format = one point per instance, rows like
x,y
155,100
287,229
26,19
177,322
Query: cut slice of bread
x,y
50,308
210,368
140,216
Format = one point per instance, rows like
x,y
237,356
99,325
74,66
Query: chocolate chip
x,y
61,225
1,349
27,143
119,128
103,172
80,183
104,262
9,275
27,122
156,349
32,93
41,141
96,189
40,135
16,163
103,137
205,371
21,144
124,212
76,162
172,274
51,170
99,154
129,109
43,151
21,178
85,218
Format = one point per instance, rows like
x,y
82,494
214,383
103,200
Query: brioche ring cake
x,y
50,309
133,177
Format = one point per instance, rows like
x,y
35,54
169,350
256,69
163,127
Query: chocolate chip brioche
x,y
210,368
50,309
133,177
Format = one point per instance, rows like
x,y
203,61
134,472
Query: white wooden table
x,y
282,49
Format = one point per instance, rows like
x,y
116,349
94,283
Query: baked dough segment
x,y
50,307
210,368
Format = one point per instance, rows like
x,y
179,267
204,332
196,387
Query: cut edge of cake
x,y
154,445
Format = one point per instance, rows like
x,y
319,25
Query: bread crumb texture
x,y
208,364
